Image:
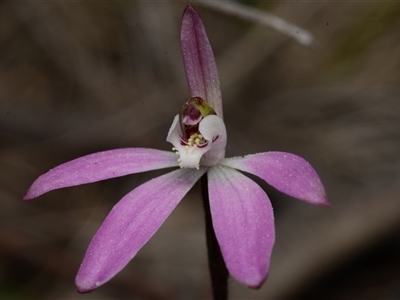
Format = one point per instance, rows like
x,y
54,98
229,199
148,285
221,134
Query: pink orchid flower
x,y
242,214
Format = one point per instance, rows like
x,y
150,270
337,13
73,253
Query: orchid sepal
x,y
287,172
243,221
199,62
130,224
100,166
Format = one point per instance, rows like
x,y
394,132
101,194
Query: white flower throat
x,y
200,139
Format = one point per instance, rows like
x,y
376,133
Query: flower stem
x,y
218,271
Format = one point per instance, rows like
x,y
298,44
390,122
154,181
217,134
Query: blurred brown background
x,y
77,78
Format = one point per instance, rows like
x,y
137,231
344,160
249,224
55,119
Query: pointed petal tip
x,y
325,202
26,197
255,286
321,201
30,194
189,9
85,284
254,283
33,191
84,289
257,283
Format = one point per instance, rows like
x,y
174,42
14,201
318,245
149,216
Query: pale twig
x,y
263,18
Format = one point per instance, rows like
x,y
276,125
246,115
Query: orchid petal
x,y
130,224
244,224
198,59
286,172
99,166
213,130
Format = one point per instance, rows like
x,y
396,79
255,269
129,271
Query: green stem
x,y
218,271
